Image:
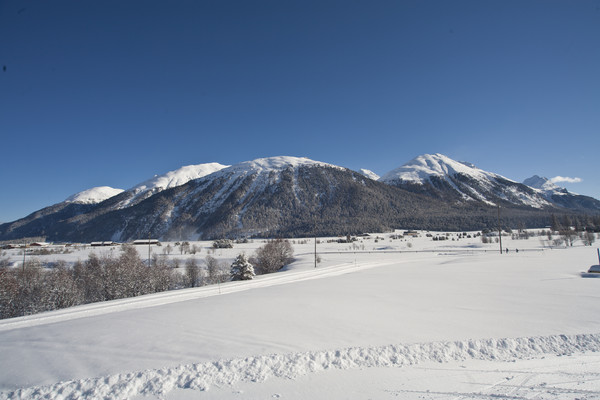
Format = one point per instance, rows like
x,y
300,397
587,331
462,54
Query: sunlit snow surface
x,y
383,320
169,180
422,167
94,195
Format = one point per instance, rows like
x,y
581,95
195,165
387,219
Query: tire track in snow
x,y
260,368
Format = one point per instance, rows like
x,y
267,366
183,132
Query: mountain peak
x,y
440,176
545,185
94,195
421,168
540,182
277,163
168,180
369,174
177,177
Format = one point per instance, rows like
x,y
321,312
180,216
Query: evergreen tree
x,y
241,269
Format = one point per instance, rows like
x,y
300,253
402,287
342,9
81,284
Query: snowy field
x,y
386,319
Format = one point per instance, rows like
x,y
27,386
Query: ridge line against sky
x,y
111,93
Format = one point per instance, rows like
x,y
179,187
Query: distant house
x,y
146,241
411,233
98,244
39,244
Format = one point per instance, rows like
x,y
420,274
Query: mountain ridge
x,y
297,196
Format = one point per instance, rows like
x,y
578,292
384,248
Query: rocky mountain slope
x,y
278,196
441,177
562,197
290,196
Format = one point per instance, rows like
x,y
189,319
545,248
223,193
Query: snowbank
x,y
291,366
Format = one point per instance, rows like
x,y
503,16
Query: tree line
x,y
31,288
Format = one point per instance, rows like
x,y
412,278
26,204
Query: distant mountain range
x,y
439,176
290,196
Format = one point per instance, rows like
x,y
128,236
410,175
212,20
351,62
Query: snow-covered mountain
x,y
422,168
270,197
369,174
545,185
292,196
93,195
267,196
560,196
91,203
169,180
439,176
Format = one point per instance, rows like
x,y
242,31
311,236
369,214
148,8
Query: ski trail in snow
x,y
260,368
175,296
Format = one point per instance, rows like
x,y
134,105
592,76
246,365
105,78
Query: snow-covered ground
x,y
411,318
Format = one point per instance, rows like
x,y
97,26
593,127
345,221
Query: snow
x,y
545,186
279,163
93,195
178,177
171,179
265,173
422,167
369,174
420,319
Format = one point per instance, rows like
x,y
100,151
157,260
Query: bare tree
x,y
4,260
61,288
273,256
9,294
184,247
218,272
212,268
569,236
192,272
588,238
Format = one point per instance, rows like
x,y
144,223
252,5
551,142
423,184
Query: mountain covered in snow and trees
x,y
441,177
291,196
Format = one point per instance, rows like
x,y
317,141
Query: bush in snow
x,y
273,256
223,244
241,269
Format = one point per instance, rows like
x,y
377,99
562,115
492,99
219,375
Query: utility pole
x,y
315,232
499,229
315,250
24,252
149,248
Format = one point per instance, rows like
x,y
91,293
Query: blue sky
x,y
112,92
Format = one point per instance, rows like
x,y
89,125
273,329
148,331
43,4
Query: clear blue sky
x,y
112,92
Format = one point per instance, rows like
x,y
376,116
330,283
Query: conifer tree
x,y
241,269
